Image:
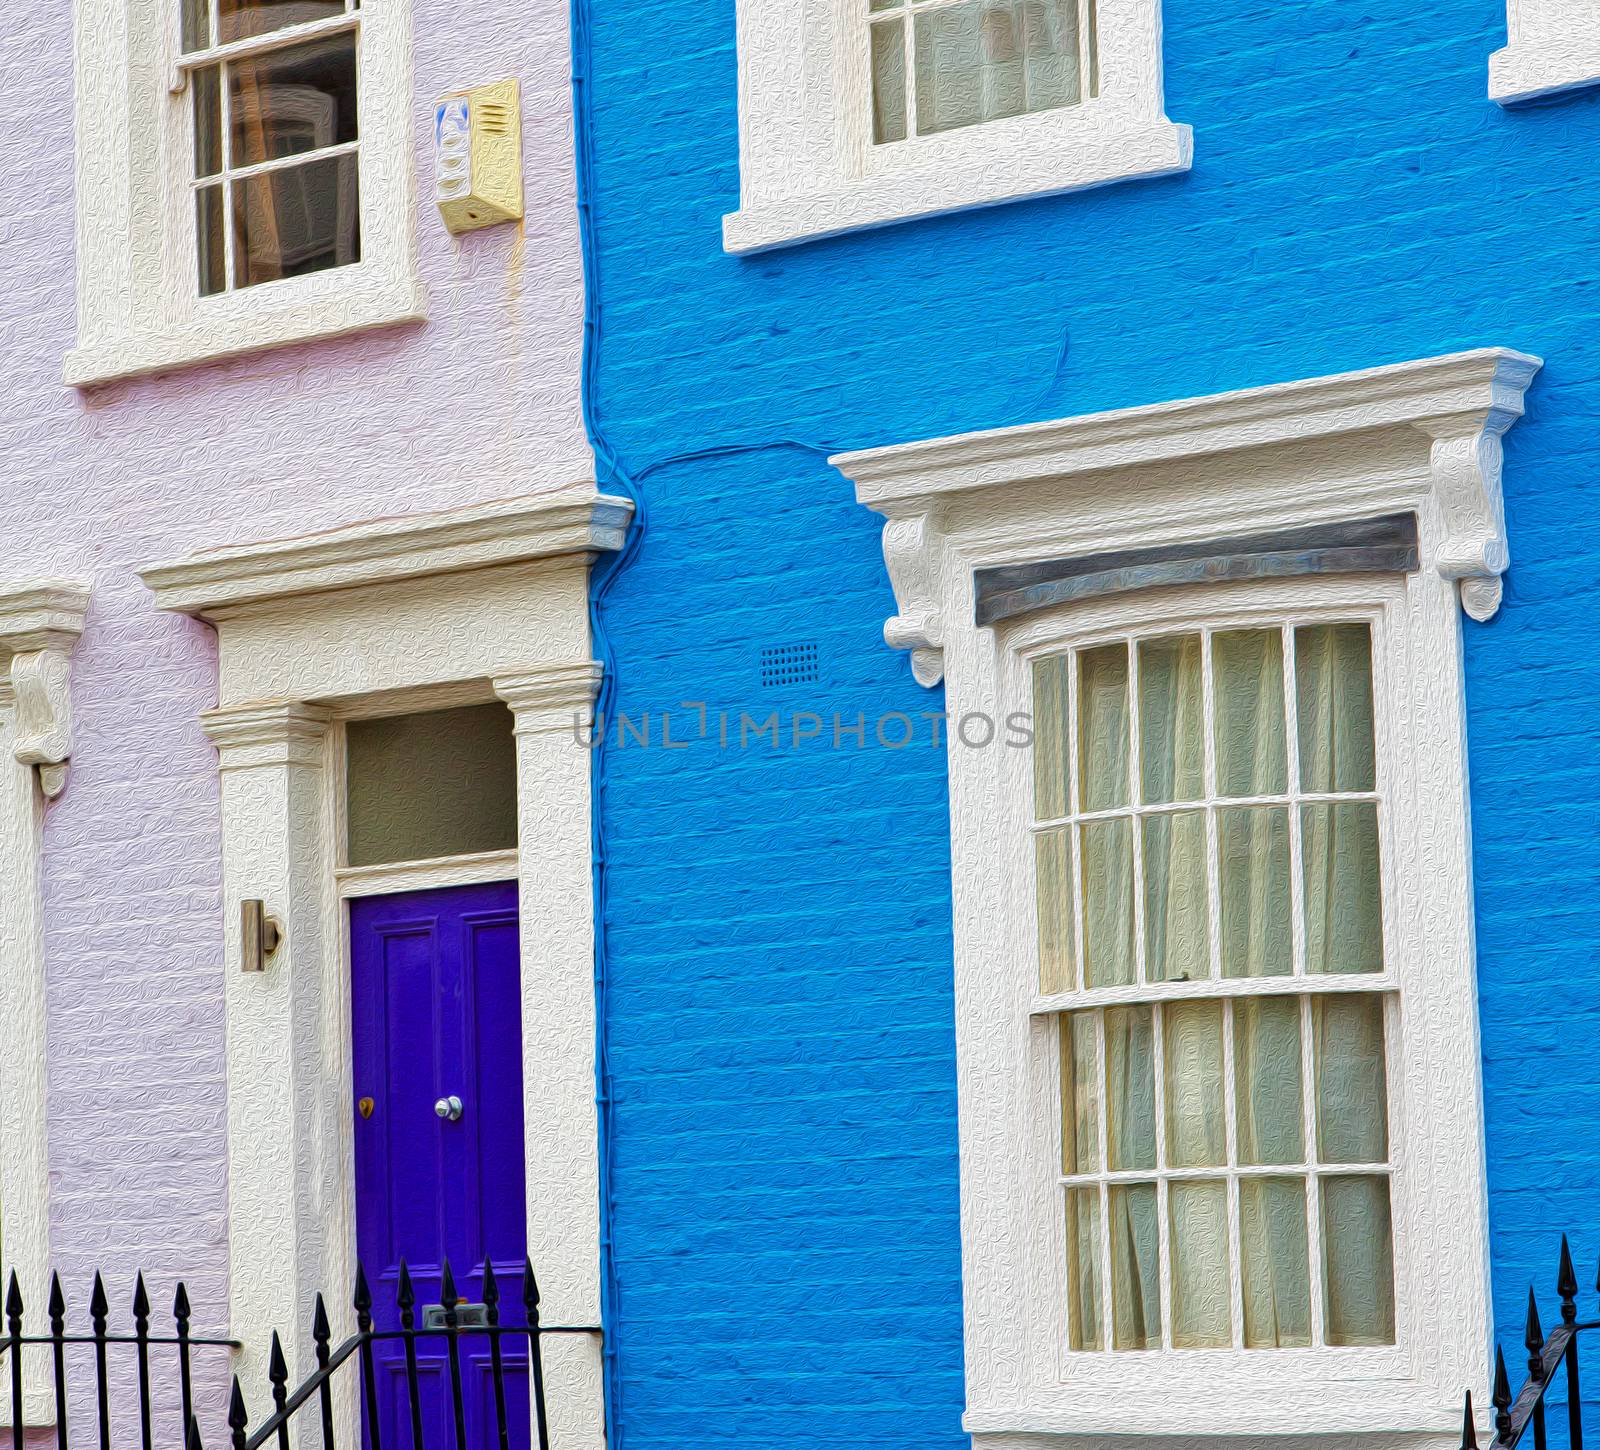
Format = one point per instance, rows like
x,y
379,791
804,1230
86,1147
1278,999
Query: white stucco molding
x,y
385,551
1422,435
378,618
1551,47
40,622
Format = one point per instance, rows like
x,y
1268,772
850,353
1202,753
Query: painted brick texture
x,y
786,1181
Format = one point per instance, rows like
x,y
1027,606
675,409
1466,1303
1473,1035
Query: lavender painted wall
x,y
479,402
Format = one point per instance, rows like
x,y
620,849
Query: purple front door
x,y
437,1016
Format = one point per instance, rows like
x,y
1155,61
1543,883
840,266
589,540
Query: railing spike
x,y
141,1299
530,1291
1533,1338
99,1305
405,1296
447,1286
58,1301
277,1366
321,1330
491,1288
238,1416
192,1439
1469,1431
362,1298
1567,1285
1501,1397
180,1302
14,1298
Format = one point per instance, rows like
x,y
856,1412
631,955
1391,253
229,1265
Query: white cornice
x,y
1454,409
39,625
577,520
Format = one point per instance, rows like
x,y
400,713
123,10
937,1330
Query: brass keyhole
x,y
365,1107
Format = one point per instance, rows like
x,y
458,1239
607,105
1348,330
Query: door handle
x,y
448,1108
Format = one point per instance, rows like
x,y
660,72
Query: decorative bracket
x,y
913,550
39,626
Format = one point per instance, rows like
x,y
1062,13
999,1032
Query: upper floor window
x,y
276,136
263,148
1210,914
855,113
972,61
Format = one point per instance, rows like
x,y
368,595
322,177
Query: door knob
x,y
448,1108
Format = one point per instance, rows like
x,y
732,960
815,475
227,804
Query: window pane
x,y
1343,890
1333,697
1050,764
442,783
209,240
1253,866
196,24
1083,1268
1106,848
207,122
889,81
239,18
1135,1267
1080,1103
1177,947
1171,720
1357,1261
981,61
1247,673
1275,1267
296,220
291,101
1196,1133
1266,1068
1351,1076
1198,1231
1053,883
1130,1088
1102,727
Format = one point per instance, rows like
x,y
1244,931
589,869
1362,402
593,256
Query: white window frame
x,y
139,305
1552,46
1423,437
808,166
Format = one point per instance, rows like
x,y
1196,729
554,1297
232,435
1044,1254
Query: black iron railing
x,y
141,1340
442,1339
1547,1354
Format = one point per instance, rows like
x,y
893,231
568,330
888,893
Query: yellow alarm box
x,y
477,143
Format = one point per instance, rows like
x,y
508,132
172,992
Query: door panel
x,y
437,1012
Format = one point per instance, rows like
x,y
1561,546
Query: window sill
x,y
245,327
1158,148
1525,71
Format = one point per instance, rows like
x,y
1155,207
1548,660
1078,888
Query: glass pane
x,y
1171,720
296,220
1102,726
1333,698
1269,1102
1351,1077
1253,867
1202,1316
1051,767
1357,1261
1080,1103
239,18
1053,881
291,101
1106,849
438,784
1196,1131
1343,888
1083,1268
1177,945
1130,1088
981,61
1275,1267
1135,1267
196,24
889,81
207,122
210,241
878,5
1247,674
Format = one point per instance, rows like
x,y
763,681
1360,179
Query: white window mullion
x,y
1308,1117
1291,722
1163,1226
225,123
1136,820
1104,1246
1209,789
1235,1242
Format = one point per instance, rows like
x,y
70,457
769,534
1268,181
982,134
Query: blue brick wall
x,y
786,1168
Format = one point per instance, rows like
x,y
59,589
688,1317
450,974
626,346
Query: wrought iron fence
x,y
1547,1354
450,1325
